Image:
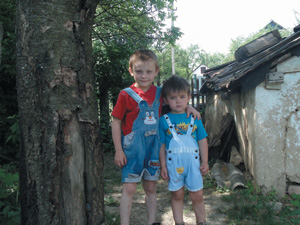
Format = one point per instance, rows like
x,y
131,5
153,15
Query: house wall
x,y
268,128
216,108
243,111
277,130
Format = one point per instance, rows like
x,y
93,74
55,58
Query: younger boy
x,y
179,153
137,144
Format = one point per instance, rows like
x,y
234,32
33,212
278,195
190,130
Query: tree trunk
x,y
61,161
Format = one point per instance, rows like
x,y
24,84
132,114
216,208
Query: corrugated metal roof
x,y
243,76
228,176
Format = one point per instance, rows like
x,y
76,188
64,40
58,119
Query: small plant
x,y
112,219
110,201
295,201
9,196
139,188
251,206
208,181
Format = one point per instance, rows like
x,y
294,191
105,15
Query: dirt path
x,y
213,204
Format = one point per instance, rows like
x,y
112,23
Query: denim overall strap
x,y
191,126
173,131
158,90
133,95
137,98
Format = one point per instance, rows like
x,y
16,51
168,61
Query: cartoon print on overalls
x,y
144,133
181,145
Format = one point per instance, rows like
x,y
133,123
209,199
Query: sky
x,y
213,23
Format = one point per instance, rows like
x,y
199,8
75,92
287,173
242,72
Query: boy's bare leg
x,y
198,205
177,205
126,202
150,191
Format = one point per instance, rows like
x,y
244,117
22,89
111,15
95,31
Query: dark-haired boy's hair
x,y
143,55
175,84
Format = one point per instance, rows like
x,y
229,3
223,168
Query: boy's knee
x,y
196,196
178,195
129,188
149,187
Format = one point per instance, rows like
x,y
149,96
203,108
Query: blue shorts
x,y
142,153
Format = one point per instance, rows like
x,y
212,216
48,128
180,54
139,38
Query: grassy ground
x,y
223,207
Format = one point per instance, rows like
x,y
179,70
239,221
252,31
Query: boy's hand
x,y
120,159
164,173
204,168
191,110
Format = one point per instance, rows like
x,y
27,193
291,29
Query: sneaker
x,y
202,223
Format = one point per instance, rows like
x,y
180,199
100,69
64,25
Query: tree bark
x,y
61,163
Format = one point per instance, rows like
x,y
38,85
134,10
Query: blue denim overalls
x,y
182,158
142,145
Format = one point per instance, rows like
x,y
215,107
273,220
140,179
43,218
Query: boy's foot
x,y
202,223
155,224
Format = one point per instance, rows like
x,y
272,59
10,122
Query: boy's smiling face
x,y
143,73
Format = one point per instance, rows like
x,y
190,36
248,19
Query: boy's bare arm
x,y
120,158
204,156
162,160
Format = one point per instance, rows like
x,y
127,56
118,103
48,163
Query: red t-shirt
x,y
127,109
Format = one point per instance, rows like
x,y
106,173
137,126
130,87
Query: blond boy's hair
x,y
143,55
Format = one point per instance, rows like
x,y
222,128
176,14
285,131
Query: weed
x,y
110,201
139,188
9,195
251,206
112,219
208,181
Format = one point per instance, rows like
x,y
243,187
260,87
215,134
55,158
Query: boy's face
x,y
143,73
177,101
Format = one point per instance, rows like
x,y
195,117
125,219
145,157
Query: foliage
x,y
297,16
134,23
9,195
187,60
8,93
252,206
122,27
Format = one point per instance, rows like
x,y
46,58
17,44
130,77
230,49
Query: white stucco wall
x,y
268,128
277,122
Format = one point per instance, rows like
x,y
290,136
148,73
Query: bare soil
x,y
215,207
